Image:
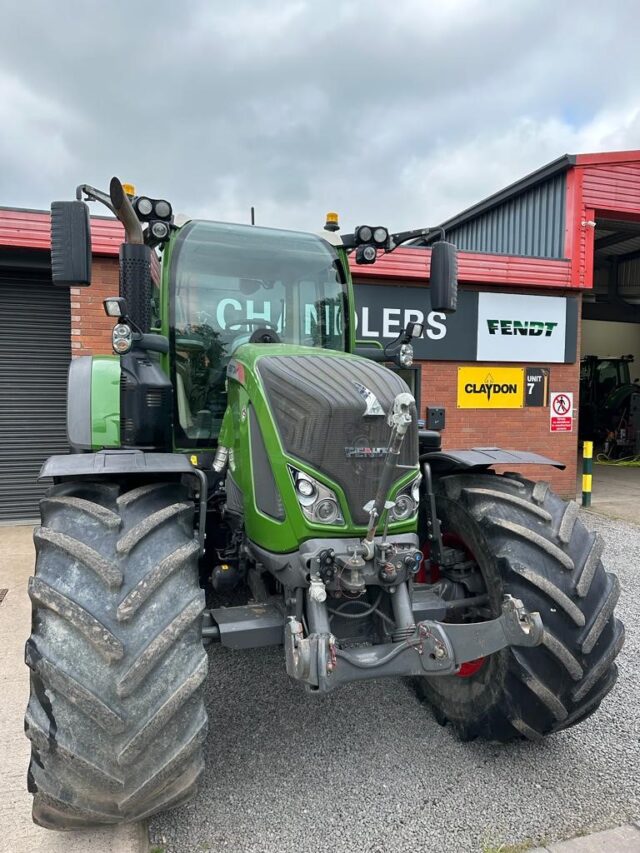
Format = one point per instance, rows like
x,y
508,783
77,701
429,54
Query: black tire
x,y
116,716
530,543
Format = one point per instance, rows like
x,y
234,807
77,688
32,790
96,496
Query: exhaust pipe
x,y
126,214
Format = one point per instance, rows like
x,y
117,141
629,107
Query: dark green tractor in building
x,y
244,472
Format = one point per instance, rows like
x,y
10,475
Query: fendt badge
x,y
373,406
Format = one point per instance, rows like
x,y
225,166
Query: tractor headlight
x,y
406,355
162,209
366,254
317,502
364,234
404,508
327,511
407,500
144,205
121,338
306,491
160,230
380,235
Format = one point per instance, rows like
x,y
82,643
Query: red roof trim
x,y
607,157
414,265
30,229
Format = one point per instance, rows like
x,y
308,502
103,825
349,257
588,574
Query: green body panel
x,y
105,401
281,536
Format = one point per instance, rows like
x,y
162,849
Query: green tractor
x,y
607,403
244,472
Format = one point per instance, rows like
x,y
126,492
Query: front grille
x,y
319,413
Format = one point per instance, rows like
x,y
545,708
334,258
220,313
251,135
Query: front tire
x,y
116,716
530,544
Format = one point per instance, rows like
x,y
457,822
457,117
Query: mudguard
x,y
484,457
114,462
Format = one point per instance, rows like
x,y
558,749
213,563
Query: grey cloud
x,y
397,112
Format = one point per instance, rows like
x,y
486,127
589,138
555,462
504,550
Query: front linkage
x,y
432,648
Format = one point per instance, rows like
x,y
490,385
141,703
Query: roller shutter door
x,y
35,350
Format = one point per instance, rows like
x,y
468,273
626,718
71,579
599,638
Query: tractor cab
x,y
229,285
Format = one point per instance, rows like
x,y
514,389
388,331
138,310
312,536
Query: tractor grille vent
x,y
128,430
155,399
320,415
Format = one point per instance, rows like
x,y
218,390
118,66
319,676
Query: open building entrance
x,y
610,366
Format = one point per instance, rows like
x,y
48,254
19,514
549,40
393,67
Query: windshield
x,y
233,283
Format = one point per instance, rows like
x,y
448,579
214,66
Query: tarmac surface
x,y
616,492
368,769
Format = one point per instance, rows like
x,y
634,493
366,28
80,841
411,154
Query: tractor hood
x,y
332,414
330,411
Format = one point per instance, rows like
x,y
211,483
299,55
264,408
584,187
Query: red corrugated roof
x,y
30,229
414,264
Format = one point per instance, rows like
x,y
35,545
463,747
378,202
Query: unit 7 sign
x,y
561,411
536,386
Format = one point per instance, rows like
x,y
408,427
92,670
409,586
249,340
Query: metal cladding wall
x,y
35,351
530,224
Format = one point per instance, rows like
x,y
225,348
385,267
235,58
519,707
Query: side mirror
x,y
444,277
115,306
414,330
70,244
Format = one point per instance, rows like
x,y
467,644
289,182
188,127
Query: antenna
x,y
253,215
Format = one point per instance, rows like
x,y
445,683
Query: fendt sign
x,y
486,326
527,328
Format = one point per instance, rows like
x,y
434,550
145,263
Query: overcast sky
x,y
395,112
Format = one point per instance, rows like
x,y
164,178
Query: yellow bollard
x,y
587,472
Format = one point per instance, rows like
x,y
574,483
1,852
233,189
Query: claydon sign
x,y
490,387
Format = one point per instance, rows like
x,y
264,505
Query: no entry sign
x,y
561,411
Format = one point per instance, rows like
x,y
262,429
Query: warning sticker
x,y
561,411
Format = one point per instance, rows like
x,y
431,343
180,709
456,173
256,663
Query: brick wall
x,y
511,429
90,326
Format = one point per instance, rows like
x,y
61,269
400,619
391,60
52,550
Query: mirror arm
x,y
395,240
427,234
92,194
375,354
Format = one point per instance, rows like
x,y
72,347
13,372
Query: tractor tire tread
x,y
117,643
533,546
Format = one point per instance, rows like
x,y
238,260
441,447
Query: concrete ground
x,y
622,839
616,492
18,834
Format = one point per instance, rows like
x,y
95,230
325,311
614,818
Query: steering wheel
x,y
257,321
265,331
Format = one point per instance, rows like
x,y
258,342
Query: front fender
x,y
483,457
115,462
